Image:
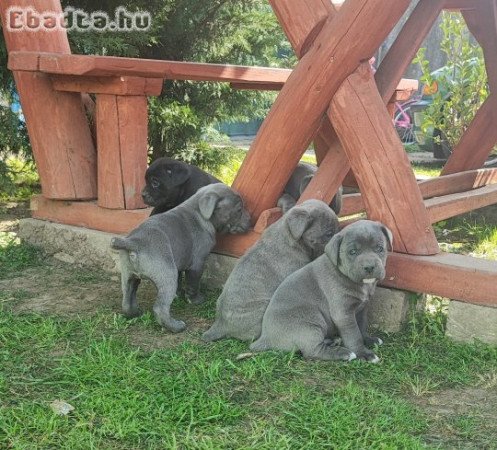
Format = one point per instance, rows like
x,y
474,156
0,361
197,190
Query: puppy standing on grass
x,y
177,240
286,246
329,297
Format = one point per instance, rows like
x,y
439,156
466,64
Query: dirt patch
x,y
10,213
460,415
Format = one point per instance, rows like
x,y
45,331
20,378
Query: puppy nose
x,y
368,269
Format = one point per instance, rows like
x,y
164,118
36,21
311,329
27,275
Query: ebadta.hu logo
x,y
73,19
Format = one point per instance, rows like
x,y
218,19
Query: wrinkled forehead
x,y
364,236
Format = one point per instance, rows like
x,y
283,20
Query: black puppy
x,y
171,182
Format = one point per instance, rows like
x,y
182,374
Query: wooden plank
x,y
434,187
133,135
267,218
235,245
295,116
110,177
458,277
60,64
404,48
57,126
108,85
381,166
441,208
460,5
88,215
302,21
258,86
122,150
482,22
477,141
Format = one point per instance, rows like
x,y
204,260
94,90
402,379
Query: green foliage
x,y
219,31
462,87
15,256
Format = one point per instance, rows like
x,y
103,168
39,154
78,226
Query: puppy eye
x,y
379,249
352,252
154,183
169,171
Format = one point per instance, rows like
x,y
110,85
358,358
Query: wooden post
x,y
377,157
404,48
122,123
58,129
481,136
295,116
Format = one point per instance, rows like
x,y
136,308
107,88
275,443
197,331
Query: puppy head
x,y
223,207
313,224
164,180
360,251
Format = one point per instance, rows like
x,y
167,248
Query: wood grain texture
x,y
458,277
441,208
110,177
56,121
477,141
133,136
88,215
404,48
61,64
382,169
295,116
434,187
108,85
482,22
460,5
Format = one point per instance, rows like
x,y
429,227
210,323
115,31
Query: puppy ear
x,y
207,204
298,221
332,248
177,174
305,181
388,234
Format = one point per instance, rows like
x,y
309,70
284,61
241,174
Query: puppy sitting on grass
x,y
289,244
329,298
174,241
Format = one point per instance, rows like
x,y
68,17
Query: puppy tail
x,y
120,244
260,345
214,333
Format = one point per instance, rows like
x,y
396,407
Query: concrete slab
x,y
467,322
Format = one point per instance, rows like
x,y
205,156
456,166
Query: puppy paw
x,y
175,326
371,341
132,313
343,354
368,356
196,300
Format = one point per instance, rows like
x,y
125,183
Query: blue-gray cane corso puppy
x,y
289,244
301,177
329,298
174,241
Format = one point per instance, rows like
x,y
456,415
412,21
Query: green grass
x,y
198,396
15,256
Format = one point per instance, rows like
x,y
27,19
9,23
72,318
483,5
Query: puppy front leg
x,y
166,292
192,278
362,321
352,338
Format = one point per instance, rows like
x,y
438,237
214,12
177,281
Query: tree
x,y
217,31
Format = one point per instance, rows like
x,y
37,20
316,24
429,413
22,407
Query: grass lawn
x,y
134,386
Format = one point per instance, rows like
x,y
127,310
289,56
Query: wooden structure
x,y
330,97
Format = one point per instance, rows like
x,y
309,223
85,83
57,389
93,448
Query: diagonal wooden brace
x,y
377,157
296,114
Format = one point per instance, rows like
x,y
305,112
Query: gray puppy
x,y
329,297
177,240
289,244
301,177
